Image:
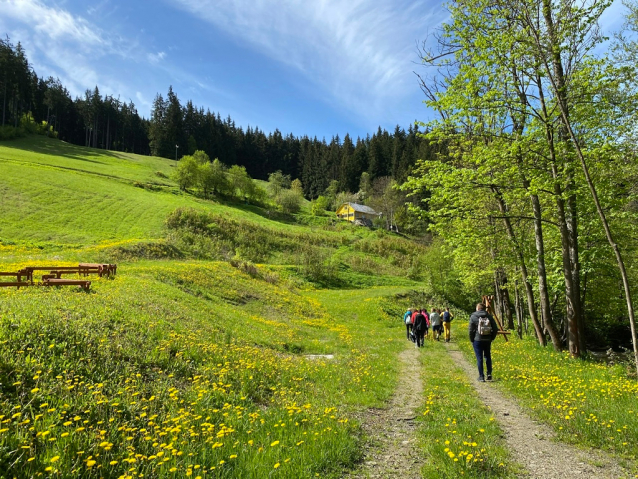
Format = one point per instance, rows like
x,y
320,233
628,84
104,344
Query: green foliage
x,y
320,205
212,178
289,201
277,182
187,172
8,132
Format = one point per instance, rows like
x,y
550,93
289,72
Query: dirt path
x,y
531,443
394,453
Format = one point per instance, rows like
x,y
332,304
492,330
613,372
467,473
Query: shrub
x,y
289,201
10,133
320,205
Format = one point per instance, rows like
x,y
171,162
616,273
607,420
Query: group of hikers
x,y
418,323
482,329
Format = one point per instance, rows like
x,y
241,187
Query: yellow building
x,y
353,212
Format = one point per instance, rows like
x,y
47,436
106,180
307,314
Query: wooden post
x,y
489,307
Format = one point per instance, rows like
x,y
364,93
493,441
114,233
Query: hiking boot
x,y
481,379
489,377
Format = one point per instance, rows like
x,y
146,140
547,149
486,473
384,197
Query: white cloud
x,y
143,101
156,57
359,52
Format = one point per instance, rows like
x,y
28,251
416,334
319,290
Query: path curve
x,y
530,442
394,452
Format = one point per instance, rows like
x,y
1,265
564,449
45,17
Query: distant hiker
x,y
447,319
483,330
425,314
407,319
435,321
419,328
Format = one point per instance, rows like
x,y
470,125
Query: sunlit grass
x,y
188,369
584,402
458,435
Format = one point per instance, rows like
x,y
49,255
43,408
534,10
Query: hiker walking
x,y
425,314
435,321
407,319
419,328
483,330
447,320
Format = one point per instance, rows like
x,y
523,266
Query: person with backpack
x,y
483,331
407,319
447,319
425,314
419,328
435,321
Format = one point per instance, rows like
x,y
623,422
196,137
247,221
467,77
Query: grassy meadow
x,y
214,352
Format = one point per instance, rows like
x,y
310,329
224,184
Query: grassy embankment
x,y
180,367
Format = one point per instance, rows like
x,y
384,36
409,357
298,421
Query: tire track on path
x,y
531,443
394,452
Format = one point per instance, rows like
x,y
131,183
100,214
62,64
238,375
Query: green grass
x,y
586,403
197,363
458,435
177,366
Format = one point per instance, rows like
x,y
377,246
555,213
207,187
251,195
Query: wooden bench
x,y
67,282
101,269
17,275
17,284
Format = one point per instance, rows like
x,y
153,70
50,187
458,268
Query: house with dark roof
x,y
354,211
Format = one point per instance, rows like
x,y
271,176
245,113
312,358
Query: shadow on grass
x,y
45,146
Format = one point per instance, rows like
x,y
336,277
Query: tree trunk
x,y
108,133
518,310
4,101
567,238
575,260
521,259
546,310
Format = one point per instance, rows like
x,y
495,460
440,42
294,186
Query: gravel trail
x,y
531,443
393,453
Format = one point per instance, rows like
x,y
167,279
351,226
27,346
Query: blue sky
x,y
315,67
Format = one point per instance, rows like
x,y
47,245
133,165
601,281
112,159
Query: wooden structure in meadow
x,y
53,275
488,301
354,211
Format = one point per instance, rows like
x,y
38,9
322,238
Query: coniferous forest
x,y
104,121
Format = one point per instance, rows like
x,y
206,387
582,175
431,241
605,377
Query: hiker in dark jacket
x,y
483,330
419,328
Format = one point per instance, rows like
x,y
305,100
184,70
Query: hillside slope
x,y
180,365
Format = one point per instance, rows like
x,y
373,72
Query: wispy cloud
x,y
358,52
57,42
156,57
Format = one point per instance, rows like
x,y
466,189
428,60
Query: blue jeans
x,y
483,349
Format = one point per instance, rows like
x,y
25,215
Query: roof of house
x,y
361,208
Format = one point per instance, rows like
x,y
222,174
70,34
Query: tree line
x,y
92,120
536,189
176,129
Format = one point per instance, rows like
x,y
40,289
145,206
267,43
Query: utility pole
x,y
176,147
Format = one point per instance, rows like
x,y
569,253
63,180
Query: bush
x,y
320,205
289,201
10,133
